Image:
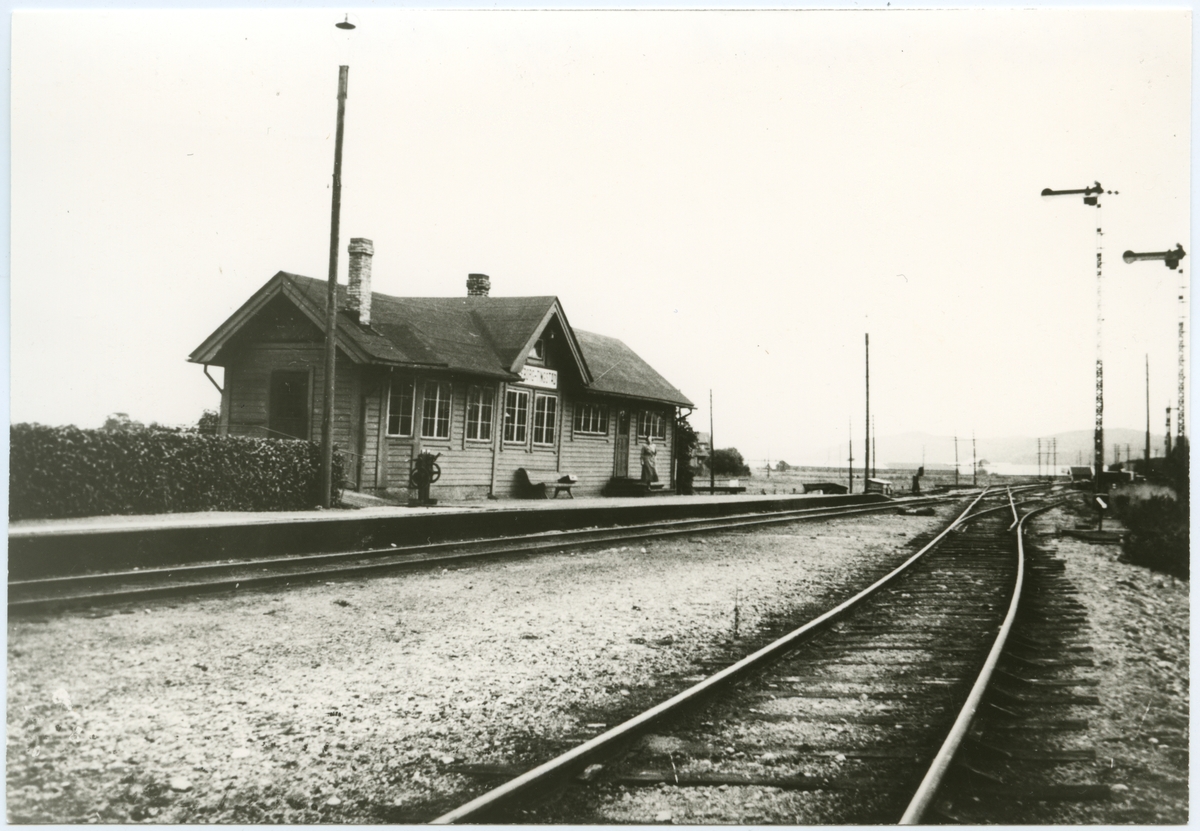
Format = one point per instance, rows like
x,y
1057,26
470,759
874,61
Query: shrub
x,y
729,462
1158,535
69,472
685,448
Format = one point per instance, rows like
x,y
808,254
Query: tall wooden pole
x,y
1147,409
867,452
956,461
331,299
974,463
712,449
850,488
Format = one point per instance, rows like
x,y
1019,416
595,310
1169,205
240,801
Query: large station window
x,y
591,419
481,401
652,425
288,414
435,410
400,408
516,416
545,416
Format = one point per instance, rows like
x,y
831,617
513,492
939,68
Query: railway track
x,y
838,721
53,593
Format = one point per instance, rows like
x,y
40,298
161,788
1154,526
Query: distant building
x,y
703,450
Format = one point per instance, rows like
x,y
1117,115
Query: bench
x,y
538,482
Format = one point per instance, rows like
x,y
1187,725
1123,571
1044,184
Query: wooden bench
x,y
539,482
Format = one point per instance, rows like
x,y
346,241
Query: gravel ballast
x,y
355,701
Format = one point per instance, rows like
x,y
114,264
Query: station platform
x,y
40,548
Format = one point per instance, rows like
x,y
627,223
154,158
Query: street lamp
x,y
331,290
1091,196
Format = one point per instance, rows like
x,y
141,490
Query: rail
x,y
928,788
575,759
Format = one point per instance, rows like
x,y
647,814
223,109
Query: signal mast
x,y
1171,260
1091,196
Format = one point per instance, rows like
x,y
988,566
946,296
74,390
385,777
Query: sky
x,y
740,196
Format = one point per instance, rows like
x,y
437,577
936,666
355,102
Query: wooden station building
x,y
493,384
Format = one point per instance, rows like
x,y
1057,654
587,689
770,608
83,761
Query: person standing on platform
x,y
649,454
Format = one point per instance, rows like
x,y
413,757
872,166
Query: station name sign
x,y
536,376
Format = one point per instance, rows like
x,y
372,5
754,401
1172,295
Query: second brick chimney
x,y
478,285
358,295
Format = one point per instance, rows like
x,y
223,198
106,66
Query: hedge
x,y
69,472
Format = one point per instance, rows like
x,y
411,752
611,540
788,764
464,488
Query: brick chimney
x,y
358,295
478,285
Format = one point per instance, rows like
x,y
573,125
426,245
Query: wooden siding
x,y
248,384
360,414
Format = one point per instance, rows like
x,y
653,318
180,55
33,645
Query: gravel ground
x,y
351,701
1139,626
347,701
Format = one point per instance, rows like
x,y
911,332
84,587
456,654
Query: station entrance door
x,y
621,446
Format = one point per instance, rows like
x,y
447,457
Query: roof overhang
x,y
278,285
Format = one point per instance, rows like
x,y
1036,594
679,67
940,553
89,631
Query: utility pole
x,y
867,452
1091,196
956,461
1054,470
1039,458
712,448
1147,412
874,451
974,462
850,488
331,298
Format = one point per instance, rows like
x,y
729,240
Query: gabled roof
x,y
489,336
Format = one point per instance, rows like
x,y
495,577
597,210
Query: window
x,y
651,424
516,415
288,414
400,408
591,419
435,412
545,413
480,403
539,349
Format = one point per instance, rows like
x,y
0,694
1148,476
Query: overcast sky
x,y
739,196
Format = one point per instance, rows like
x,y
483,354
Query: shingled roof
x,y
488,336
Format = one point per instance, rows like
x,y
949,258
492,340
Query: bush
x,y
1158,535
729,462
69,472
685,448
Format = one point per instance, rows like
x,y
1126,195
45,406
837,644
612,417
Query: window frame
x,y
596,414
399,383
518,424
549,433
649,422
481,397
442,406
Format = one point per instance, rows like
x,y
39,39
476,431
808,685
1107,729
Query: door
x,y
287,416
621,450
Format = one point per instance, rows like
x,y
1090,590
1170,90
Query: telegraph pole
x,y
1091,196
867,452
712,449
331,298
956,461
850,489
1147,413
974,463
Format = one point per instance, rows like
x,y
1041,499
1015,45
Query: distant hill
x,y
1074,447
